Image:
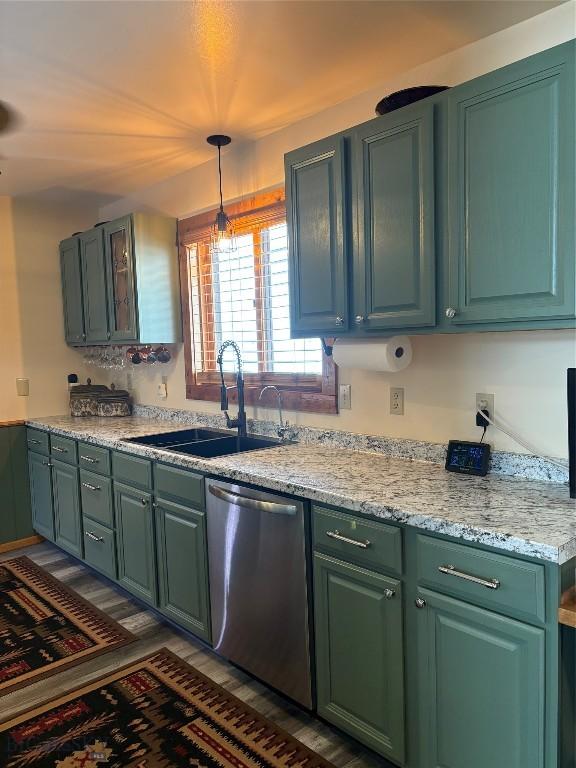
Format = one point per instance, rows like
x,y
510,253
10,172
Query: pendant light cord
x,y
220,177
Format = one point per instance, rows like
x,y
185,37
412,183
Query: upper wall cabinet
x,y
120,283
452,214
71,270
511,192
316,205
394,252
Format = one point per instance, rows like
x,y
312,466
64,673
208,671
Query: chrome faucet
x,y
283,428
240,420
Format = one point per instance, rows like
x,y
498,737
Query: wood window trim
x,y
306,393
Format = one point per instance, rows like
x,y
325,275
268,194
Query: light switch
x,y
162,390
22,387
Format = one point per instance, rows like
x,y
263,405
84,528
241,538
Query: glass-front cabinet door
x,y
119,253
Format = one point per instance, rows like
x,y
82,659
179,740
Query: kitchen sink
x,y
206,443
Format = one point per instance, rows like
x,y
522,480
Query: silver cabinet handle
x,y
450,312
389,593
47,463
89,459
59,450
339,320
420,603
92,487
34,442
249,503
93,536
144,502
450,570
340,537
359,319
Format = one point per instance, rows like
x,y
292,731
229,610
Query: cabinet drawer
x,y
498,582
96,492
132,470
99,547
37,441
352,538
94,458
63,449
180,484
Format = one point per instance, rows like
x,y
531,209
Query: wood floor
x,y
153,633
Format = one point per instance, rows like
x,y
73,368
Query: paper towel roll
x,y
392,355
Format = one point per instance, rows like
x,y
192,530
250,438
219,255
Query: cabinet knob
x,y
450,312
420,603
339,320
108,334
389,594
359,319
144,502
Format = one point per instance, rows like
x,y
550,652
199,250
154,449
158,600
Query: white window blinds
x,y
242,294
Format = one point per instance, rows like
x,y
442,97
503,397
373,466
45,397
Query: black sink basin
x,y
185,436
225,445
206,443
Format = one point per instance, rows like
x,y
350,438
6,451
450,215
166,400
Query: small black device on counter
x,y
572,430
468,458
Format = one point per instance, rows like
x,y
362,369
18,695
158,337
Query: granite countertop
x,y
531,518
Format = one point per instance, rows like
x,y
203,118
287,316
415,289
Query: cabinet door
x,y
41,494
481,678
394,259
94,286
71,274
182,566
119,253
359,654
511,202
135,541
67,518
317,221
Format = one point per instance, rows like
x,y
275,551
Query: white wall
x,y
526,371
31,332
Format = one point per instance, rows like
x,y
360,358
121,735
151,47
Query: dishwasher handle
x,y
256,504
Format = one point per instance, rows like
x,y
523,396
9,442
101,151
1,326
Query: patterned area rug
x,y
46,627
154,713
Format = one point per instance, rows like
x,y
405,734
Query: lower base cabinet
x,y
359,654
182,566
41,494
135,542
481,687
67,515
15,512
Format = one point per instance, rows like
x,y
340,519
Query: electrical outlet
x,y
397,401
162,391
345,396
485,402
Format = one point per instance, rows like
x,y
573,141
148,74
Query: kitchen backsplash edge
x,y
518,465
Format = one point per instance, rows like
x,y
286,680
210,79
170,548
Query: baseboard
x,y
27,542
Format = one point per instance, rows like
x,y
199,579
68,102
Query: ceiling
x,y
114,96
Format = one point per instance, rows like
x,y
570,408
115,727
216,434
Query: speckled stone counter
x,y
524,516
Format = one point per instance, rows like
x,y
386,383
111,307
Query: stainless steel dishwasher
x,y
258,585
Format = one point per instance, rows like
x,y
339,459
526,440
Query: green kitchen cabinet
x,y
481,687
67,515
394,246
316,211
183,566
94,286
135,542
359,653
119,254
15,510
71,270
511,193
39,467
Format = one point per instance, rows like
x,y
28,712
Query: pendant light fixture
x,y
223,238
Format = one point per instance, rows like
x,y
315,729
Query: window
x,y
242,294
